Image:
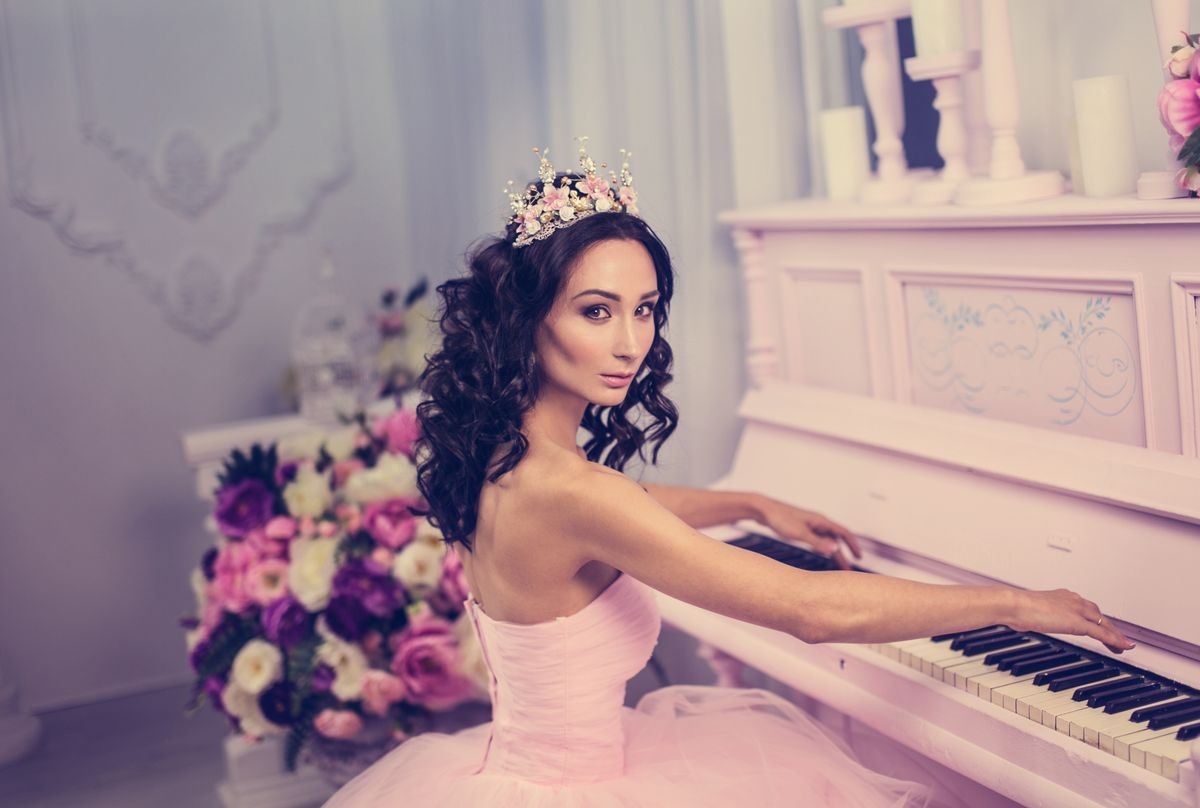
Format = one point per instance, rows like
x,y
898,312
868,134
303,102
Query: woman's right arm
x,y
613,520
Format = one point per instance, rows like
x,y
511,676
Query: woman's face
x,y
601,323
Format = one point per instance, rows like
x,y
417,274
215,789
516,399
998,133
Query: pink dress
x,y
562,736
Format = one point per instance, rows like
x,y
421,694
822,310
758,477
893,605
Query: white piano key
x,y
1161,755
966,671
986,686
892,650
1108,737
1008,695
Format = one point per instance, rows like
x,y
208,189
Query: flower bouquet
x,y
327,611
1179,109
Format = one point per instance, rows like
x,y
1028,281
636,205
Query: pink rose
x,y
350,515
453,588
1179,106
427,662
338,723
390,522
264,546
266,581
401,429
230,575
281,528
380,690
344,468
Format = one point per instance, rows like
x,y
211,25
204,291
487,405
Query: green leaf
x,y
1189,155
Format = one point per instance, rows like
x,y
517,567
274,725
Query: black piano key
x,y
1087,692
1000,657
1151,713
1188,732
1121,705
1013,660
1042,663
980,634
954,635
1059,685
1104,699
1174,719
1049,677
985,646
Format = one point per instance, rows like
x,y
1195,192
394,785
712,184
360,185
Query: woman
x,y
559,324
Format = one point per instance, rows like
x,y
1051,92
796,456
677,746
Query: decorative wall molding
x,y
196,298
189,186
1185,309
1090,366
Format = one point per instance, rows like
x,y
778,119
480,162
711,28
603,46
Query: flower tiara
x,y
544,207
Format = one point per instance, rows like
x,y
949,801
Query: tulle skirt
x,y
685,745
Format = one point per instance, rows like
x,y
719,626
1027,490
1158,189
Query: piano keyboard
x,y
1127,711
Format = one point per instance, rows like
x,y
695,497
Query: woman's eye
x,y
649,307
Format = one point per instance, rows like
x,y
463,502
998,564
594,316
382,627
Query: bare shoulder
x,y
610,518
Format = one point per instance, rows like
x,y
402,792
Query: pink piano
x,y
1003,394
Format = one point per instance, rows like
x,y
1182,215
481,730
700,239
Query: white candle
x,y
1107,152
844,151
937,26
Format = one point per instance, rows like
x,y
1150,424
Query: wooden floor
x,y
135,752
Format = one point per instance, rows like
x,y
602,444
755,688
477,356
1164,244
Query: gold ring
x,y
1100,620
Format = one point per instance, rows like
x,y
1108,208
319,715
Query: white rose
x,y
603,204
393,476
304,446
349,665
566,213
532,226
1177,65
340,443
308,494
419,566
426,532
311,570
244,707
471,663
257,666
210,524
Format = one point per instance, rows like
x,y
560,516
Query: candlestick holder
x,y
1170,19
1007,179
945,70
875,24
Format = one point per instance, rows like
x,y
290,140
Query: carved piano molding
x,y
74,161
1185,306
1055,314
1044,349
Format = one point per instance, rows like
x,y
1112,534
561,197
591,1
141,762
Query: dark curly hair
x,y
484,377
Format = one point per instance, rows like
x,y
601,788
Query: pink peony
x,y
343,469
454,580
229,584
281,528
401,429
1179,108
266,581
427,662
264,546
390,522
380,690
339,724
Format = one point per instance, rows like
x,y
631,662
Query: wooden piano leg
x,y
727,668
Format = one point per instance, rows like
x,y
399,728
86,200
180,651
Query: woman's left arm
x,y
702,507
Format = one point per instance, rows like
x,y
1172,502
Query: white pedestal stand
x,y
946,71
1008,181
1170,19
19,731
255,777
875,23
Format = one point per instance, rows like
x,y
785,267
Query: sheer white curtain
x,y
479,83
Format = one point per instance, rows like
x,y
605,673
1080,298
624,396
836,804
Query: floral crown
x,y
545,207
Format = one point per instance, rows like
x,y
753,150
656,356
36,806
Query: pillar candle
x,y
1107,152
844,151
938,26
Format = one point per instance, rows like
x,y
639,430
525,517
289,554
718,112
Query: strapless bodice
x,y
558,687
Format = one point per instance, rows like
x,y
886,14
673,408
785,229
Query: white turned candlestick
x,y
844,151
979,139
1170,21
937,27
1007,179
946,71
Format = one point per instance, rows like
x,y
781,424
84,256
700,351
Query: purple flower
x,y
286,622
197,655
213,686
208,562
276,703
286,472
244,507
346,617
322,678
376,590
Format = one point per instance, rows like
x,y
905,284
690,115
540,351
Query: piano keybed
x,y
1131,713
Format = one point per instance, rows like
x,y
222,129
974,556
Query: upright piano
x,y
1002,395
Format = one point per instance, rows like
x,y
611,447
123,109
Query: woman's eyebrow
x,y
612,295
